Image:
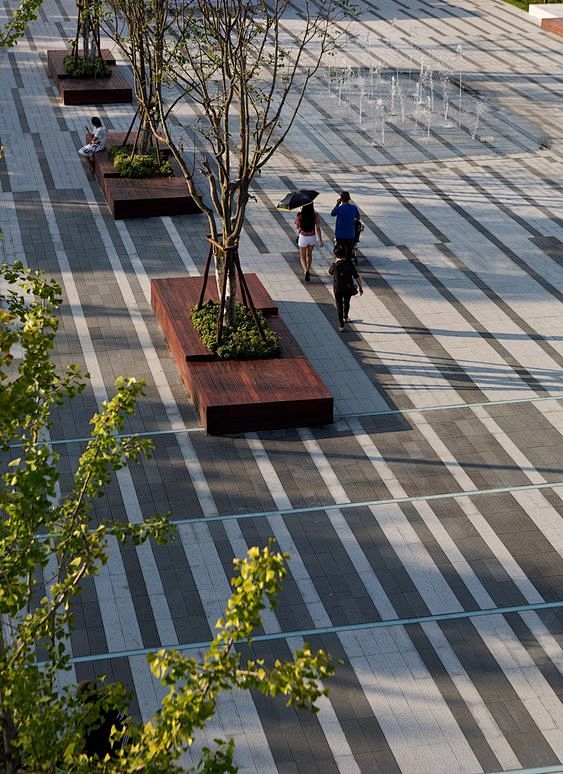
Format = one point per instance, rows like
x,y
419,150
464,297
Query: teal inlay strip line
x,y
557,769
339,418
362,504
457,616
368,503
148,433
447,406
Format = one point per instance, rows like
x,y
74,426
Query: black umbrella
x,y
297,199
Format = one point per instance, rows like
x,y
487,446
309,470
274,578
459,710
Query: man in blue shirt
x,y
346,214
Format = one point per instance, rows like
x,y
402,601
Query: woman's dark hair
x,y
308,218
96,121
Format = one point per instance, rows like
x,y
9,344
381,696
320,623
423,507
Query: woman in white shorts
x,y
308,225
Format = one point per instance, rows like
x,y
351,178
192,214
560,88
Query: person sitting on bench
x,y
97,141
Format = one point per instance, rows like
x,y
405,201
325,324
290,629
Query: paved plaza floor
x,y
424,525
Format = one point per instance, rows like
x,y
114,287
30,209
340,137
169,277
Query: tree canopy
x,y
221,83
241,71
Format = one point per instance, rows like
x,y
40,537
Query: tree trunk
x,y
144,136
90,31
85,42
230,296
9,754
224,261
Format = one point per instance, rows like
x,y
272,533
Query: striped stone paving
x,y
424,525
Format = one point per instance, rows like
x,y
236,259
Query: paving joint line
x,y
339,418
336,629
557,769
346,506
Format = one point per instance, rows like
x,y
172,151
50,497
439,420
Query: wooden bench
x,y
90,91
141,198
154,197
239,395
118,138
553,25
103,165
103,168
184,341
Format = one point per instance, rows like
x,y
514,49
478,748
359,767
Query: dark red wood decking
x,y
239,395
145,198
553,25
90,91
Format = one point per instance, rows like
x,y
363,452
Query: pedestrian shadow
x,y
416,330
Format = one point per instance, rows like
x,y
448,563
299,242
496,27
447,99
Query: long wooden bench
x,y
239,395
90,91
145,198
149,198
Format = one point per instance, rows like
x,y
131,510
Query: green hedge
x,y
81,68
518,3
140,165
241,343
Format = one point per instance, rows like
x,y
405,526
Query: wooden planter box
x,y
144,198
90,91
553,25
239,395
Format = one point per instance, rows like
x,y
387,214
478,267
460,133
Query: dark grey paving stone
x,y
331,570
494,688
237,487
294,737
454,701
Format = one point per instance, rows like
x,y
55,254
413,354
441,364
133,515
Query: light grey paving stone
x,y
476,319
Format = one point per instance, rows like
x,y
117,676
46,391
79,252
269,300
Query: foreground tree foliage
x,y
49,547
19,19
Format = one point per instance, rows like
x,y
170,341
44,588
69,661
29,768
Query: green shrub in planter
x,y
81,68
242,343
140,165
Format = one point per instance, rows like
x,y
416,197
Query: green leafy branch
x,y
193,686
20,19
50,545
